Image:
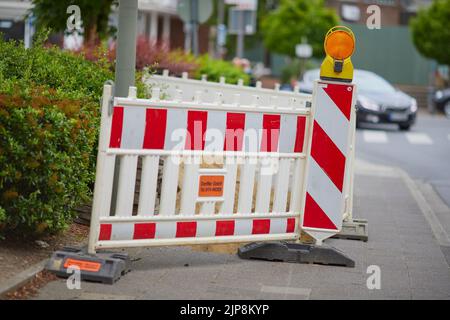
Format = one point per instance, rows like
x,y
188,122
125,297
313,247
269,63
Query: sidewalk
x,y
408,250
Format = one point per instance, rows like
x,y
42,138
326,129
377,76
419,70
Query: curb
x,y
21,278
414,188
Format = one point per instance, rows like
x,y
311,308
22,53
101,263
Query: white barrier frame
x,y
210,97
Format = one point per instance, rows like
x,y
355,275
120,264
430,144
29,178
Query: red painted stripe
x,y
225,228
144,231
328,156
271,133
116,128
196,128
315,217
234,132
186,229
300,134
290,225
261,226
341,95
155,128
105,232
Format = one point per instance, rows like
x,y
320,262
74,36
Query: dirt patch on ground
x,y
17,254
227,248
31,288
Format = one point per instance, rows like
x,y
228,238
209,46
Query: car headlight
x,y
413,105
368,104
438,94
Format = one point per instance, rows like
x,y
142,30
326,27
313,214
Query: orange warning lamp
x,y
339,46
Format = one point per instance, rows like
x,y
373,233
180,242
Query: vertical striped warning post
x,y
326,167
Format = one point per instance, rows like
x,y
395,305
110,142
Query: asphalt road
x,y
423,152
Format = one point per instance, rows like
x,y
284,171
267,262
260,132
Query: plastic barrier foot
x,y
356,229
105,267
295,252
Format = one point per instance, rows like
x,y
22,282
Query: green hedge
x,y
49,117
214,69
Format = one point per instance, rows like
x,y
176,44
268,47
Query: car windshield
x,y
366,81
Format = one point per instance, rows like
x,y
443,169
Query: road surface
x,y
423,152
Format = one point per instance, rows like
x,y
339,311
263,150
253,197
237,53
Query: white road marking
x,y
448,136
371,136
418,138
299,292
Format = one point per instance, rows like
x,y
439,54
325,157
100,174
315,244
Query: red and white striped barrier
x,y
149,128
182,201
328,158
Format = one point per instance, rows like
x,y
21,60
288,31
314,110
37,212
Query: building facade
x,y
393,12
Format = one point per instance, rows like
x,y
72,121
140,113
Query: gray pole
x,y
125,66
240,36
187,37
194,26
220,24
126,47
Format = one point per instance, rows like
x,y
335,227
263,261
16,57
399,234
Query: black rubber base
x,y
295,252
113,265
356,229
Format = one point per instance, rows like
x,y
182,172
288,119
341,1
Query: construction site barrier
x,y
203,163
279,156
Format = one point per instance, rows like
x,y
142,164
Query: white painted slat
x,y
149,180
229,185
247,182
297,193
189,188
265,178
169,185
104,184
125,189
281,186
208,208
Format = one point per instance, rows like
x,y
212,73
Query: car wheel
x,y
404,126
447,108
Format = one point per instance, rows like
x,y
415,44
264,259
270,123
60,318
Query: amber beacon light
x,y
339,46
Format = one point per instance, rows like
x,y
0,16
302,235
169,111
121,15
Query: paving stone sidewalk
x,y
401,242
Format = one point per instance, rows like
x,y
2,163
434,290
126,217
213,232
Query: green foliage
x,y
49,118
2,215
295,68
285,27
431,31
214,69
94,15
66,72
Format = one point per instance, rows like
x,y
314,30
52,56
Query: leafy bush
x,y
49,117
159,57
53,68
214,69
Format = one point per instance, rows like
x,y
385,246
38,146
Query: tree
x,y
431,31
94,15
285,27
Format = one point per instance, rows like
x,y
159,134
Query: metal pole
x,y
194,26
240,36
187,37
126,47
220,25
125,66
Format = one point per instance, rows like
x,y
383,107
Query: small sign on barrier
x,y
211,186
